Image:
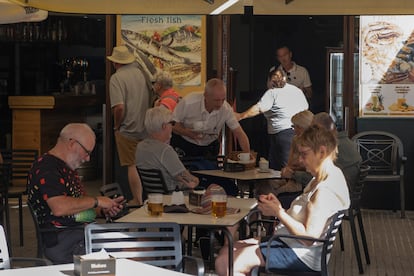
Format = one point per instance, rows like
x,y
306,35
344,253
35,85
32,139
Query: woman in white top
x,y
309,214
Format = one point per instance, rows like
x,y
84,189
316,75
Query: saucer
x,y
263,171
247,162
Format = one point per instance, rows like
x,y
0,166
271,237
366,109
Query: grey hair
x,y
155,117
76,131
164,79
209,88
324,120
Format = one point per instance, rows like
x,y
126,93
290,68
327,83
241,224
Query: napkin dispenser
x,y
100,267
195,197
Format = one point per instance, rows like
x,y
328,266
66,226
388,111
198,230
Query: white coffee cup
x,y
198,125
244,156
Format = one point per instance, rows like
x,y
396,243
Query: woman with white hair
x,y
155,152
163,87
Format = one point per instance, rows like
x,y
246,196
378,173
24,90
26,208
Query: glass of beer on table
x,y
218,205
154,205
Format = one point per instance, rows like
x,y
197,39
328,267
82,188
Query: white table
x,y
250,176
198,220
253,174
124,267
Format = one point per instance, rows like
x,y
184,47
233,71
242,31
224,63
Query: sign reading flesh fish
x,y
171,43
387,66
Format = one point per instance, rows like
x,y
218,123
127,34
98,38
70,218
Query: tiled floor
x,y
390,242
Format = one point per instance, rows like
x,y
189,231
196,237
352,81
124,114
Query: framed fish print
x,y
172,43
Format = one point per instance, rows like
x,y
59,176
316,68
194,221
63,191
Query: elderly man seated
x,y
155,152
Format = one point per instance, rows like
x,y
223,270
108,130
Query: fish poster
x,y
171,43
386,66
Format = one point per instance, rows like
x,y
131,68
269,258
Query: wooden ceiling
x,y
260,7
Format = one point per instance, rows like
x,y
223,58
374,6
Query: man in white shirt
x,y
200,118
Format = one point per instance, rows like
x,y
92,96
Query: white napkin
x,y
100,255
177,198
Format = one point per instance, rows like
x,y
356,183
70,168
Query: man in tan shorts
x,y
129,95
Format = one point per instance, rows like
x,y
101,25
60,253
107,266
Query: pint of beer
x,y
218,205
155,205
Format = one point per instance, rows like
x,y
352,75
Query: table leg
x,y
189,240
230,245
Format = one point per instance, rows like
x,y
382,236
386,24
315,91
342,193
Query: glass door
x,y
335,85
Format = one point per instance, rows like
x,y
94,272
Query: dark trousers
x,y
279,148
187,149
61,246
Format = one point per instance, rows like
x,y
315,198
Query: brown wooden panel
x,y
26,129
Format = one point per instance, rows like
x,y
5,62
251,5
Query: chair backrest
x,y
157,244
380,150
152,181
330,239
357,189
111,190
21,161
39,236
327,245
5,170
4,250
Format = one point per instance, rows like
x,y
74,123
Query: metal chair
x,y
111,190
4,197
353,212
327,245
6,261
39,232
384,153
20,161
157,244
152,182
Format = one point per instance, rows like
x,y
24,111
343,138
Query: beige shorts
x,y
126,149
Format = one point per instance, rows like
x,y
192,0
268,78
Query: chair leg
x,y
402,199
21,219
363,237
341,238
355,239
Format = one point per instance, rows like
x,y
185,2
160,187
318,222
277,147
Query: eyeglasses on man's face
x,y
88,152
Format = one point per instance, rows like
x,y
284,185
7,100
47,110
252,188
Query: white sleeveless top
x,y
335,183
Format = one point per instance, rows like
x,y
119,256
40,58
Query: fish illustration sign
x,y
171,43
386,66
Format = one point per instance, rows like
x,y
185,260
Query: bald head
x,y
214,94
78,131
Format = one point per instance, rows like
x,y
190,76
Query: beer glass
x,y
154,205
218,205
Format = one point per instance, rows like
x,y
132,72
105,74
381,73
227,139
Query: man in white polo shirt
x,y
295,74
